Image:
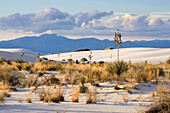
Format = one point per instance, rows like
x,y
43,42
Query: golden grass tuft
x,y
57,95
28,100
2,100
75,95
91,96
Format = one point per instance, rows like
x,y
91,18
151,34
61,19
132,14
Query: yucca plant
x,y
117,68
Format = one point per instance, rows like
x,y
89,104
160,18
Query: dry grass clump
x,y
57,95
74,95
28,80
51,94
5,93
28,100
43,93
91,96
19,100
125,99
4,86
6,73
2,100
47,66
162,103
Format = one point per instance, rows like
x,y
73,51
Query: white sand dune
x,y
152,55
14,54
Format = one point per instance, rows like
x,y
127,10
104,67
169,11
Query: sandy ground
x,y
14,54
139,99
152,55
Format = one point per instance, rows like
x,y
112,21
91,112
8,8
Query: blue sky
x,y
74,6
137,19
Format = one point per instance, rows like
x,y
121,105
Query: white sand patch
x,y
152,55
14,54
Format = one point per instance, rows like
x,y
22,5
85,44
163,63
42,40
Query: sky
x,y
137,20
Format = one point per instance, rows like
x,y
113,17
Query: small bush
x,y
108,48
7,73
70,60
83,59
28,100
57,96
43,93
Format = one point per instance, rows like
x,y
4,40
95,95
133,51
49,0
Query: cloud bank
x,y
86,24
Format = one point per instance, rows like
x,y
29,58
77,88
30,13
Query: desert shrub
x,y
26,66
42,93
97,74
108,48
7,73
162,103
168,61
28,100
101,63
20,60
91,96
85,49
83,59
4,86
54,80
63,60
70,60
145,72
2,100
74,95
82,80
77,62
77,50
117,68
28,80
2,60
47,66
57,95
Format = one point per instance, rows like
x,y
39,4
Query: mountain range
x,y
52,43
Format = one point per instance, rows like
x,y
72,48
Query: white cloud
x,y
85,24
87,17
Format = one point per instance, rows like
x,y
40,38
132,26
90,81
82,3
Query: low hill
x,y
51,43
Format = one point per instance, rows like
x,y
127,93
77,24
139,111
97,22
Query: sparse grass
x,y
75,95
43,93
19,100
28,80
2,96
162,103
91,96
6,73
57,95
125,99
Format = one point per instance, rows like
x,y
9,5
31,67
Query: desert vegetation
x,y
49,79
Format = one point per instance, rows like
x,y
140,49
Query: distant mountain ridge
x,y
51,43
